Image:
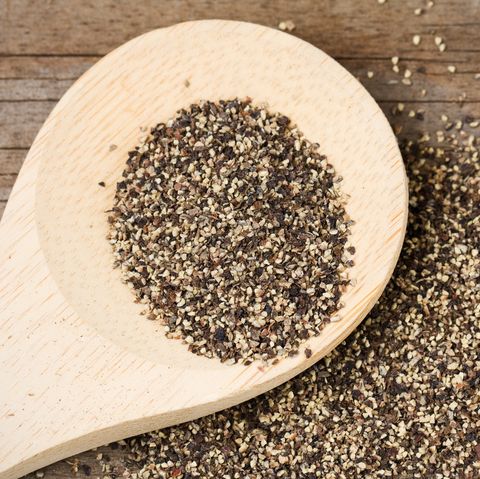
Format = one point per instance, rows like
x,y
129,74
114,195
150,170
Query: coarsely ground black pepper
x,y
400,397
230,226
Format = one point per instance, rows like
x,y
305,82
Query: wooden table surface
x,y
45,45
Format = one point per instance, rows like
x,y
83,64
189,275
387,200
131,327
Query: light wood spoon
x,y
80,366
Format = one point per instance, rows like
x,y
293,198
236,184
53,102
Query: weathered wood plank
x,y
20,122
86,465
11,161
431,112
29,79
431,80
45,67
348,28
6,183
32,89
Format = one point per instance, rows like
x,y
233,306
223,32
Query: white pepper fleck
x,y
287,26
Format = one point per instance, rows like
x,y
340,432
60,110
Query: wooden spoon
x,y
80,366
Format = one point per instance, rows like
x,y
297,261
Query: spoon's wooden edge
x,y
19,217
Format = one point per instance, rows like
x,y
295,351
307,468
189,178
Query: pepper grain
x,y
399,397
230,227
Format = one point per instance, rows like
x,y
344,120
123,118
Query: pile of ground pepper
x,y
400,397
230,226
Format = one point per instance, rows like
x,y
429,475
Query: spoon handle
x,y
30,403
65,388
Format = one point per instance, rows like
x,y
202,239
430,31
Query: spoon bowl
x,y
79,365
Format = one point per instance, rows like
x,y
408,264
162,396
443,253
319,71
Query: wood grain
x,y
11,161
46,45
45,67
82,27
6,182
24,78
20,122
